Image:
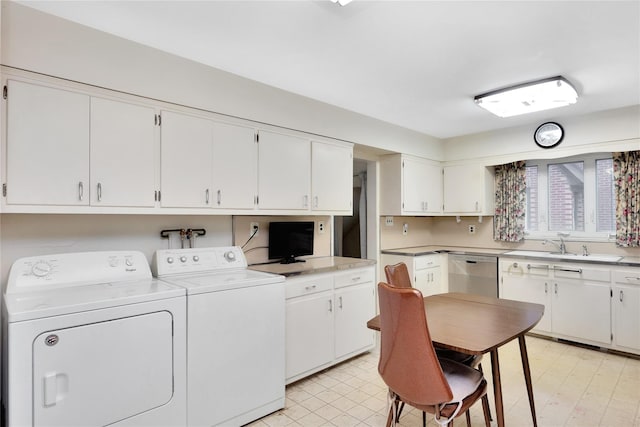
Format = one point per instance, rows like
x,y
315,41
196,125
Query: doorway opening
x,y
353,237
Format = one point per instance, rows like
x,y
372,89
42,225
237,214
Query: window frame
x,y
590,201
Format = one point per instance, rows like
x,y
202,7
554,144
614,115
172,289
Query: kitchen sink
x,y
567,256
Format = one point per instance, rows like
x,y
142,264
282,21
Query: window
x,y
573,195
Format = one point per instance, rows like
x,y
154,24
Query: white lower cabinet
x,y
581,304
326,319
594,304
625,303
425,271
529,282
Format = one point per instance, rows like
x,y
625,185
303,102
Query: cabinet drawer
x,y
423,262
354,277
631,277
307,285
578,272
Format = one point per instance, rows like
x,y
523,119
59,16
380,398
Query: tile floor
x,y
573,386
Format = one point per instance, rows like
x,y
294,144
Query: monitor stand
x,y
291,260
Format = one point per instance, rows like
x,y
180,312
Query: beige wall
x,y
446,231
256,250
31,235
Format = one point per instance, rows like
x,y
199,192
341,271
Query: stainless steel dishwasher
x,y
473,274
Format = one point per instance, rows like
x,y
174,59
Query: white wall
x,y
607,131
46,44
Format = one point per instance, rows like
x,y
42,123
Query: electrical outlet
x,y
472,229
254,228
405,229
388,221
320,227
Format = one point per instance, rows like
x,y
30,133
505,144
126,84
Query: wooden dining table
x,y
474,324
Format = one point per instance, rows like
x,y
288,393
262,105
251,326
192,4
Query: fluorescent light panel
x,y
530,97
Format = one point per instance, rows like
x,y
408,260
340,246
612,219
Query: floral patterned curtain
x,y
626,175
508,221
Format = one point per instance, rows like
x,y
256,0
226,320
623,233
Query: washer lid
x,y
223,281
39,304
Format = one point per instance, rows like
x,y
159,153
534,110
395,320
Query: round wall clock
x,y
548,135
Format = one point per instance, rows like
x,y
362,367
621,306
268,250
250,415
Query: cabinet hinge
x,y
4,92
4,190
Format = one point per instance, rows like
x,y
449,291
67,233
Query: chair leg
x,y
424,419
468,418
486,411
485,400
399,409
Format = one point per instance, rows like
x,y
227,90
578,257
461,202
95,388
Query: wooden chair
x,y
410,367
398,276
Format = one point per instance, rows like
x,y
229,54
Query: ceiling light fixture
x,y
528,97
341,2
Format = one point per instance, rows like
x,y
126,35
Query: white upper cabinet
x,y
331,177
235,167
123,156
186,165
47,146
410,186
468,190
284,162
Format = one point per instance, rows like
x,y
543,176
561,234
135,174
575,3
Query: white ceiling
x,y
417,64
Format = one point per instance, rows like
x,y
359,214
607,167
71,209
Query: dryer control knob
x,y
41,269
128,262
230,256
196,258
169,260
183,259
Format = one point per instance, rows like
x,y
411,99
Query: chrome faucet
x,y
562,248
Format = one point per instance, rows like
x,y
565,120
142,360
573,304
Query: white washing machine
x,y
92,339
235,334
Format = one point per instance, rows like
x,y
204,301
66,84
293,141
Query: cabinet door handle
x,y
556,288
621,295
309,288
80,190
355,279
340,302
315,201
99,191
206,196
477,206
540,266
637,279
305,201
330,306
546,288
219,197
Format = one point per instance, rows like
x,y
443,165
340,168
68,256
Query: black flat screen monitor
x,y
288,240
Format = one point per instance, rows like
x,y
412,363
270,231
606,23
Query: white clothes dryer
x,y
235,334
92,339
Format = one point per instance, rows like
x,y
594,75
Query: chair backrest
x,y
398,275
408,362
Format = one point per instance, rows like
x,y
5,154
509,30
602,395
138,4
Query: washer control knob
x,y
169,260
230,256
128,262
183,258
196,258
